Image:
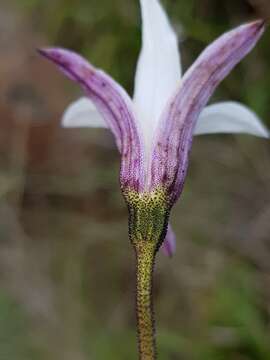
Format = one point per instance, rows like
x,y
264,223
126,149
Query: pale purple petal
x,y
113,103
171,152
230,118
169,245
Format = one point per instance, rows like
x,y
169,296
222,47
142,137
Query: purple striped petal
x,y
113,103
169,245
173,143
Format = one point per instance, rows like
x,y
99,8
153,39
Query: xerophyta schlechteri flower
x,y
154,131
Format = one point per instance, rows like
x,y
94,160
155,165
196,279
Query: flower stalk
x,y
145,261
148,222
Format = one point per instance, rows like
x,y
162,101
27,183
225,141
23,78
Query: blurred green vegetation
x,y
14,340
66,264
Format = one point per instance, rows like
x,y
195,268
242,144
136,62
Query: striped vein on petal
x,y
171,152
113,103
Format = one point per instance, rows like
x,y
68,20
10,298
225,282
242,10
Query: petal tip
x,y
43,51
253,29
258,26
71,64
169,244
52,54
167,252
265,133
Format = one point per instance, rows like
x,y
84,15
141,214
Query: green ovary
x,y
148,218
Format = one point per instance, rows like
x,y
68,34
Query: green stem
x,y
145,256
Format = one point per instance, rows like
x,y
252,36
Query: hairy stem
x,y
145,256
148,221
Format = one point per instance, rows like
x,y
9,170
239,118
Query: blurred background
x,y
66,264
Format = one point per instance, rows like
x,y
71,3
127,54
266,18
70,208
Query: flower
x,y
154,131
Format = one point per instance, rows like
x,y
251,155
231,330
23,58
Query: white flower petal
x,y
82,113
230,117
158,70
